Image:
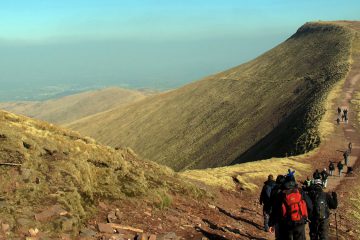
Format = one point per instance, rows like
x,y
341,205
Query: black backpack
x,y
320,206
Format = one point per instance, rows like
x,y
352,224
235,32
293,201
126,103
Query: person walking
x,y
280,180
324,177
319,219
316,174
338,121
350,147
339,111
265,200
331,168
346,157
340,167
346,115
290,211
307,182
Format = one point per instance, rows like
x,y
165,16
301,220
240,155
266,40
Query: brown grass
x,y
73,107
278,98
74,172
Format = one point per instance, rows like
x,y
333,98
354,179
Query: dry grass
x,y
247,175
74,172
213,122
73,107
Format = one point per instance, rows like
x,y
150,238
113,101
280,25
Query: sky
x,y
50,47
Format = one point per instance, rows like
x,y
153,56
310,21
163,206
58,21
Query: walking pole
x,y
336,227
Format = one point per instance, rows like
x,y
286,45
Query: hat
x,y
318,181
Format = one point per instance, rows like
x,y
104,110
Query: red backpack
x,y
294,206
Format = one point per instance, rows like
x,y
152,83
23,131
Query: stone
x,y
168,236
103,205
141,236
33,232
49,213
118,214
212,206
111,217
87,232
5,227
67,224
152,237
105,228
147,214
117,237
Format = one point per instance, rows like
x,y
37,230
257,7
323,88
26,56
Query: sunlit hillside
x,y
268,107
73,107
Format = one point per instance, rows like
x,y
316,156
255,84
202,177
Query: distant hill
x,y
74,107
268,107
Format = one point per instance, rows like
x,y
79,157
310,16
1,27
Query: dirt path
x,y
332,148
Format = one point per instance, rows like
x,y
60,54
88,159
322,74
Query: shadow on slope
x,y
214,122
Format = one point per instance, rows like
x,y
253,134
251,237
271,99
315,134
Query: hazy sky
x,y
142,43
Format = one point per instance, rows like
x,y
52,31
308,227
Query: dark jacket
x,y
277,199
315,192
324,175
317,175
266,195
340,166
332,166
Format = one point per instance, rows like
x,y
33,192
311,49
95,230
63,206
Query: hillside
x,y
73,107
268,107
58,178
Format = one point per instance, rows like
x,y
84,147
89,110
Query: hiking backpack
x,y
294,208
320,208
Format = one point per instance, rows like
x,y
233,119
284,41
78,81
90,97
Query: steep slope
x,y
60,177
270,106
74,107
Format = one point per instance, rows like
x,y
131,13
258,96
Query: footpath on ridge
x,y
247,221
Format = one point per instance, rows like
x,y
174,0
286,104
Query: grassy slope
x,y
73,107
74,172
352,188
214,122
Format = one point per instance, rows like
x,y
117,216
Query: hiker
x,y
291,174
307,182
322,202
316,174
338,121
280,179
265,200
346,157
339,111
331,168
340,167
324,176
350,147
290,211
346,115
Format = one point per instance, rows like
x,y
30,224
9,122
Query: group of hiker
x,y
288,208
343,114
340,165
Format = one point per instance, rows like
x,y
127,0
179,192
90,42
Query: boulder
x,y
87,232
5,227
105,228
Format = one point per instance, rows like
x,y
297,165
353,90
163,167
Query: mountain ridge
x,y
217,120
